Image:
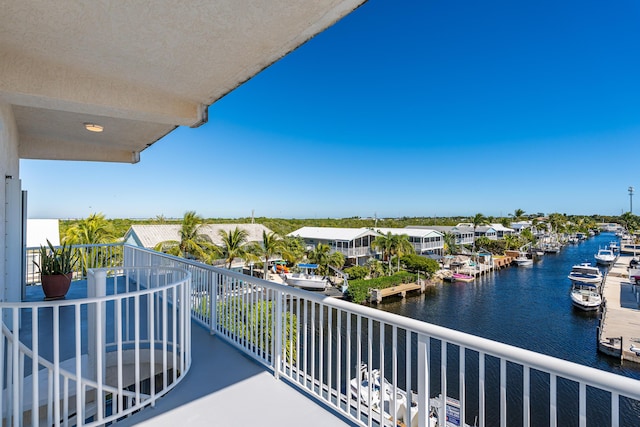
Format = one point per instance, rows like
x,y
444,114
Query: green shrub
x,y
416,263
358,290
357,272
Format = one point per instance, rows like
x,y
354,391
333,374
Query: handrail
x,y
78,331
317,342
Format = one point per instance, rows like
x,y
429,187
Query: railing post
x,y
423,379
277,341
96,328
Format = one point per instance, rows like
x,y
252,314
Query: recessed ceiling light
x,y
92,127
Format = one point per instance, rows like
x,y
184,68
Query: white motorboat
x,y
523,260
306,278
605,257
585,273
614,246
585,297
377,392
370,389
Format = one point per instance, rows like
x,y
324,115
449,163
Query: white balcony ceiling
x,y
138,68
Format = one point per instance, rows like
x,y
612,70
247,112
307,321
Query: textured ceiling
x,y
139,68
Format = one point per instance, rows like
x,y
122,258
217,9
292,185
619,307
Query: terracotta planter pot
x,y
56,286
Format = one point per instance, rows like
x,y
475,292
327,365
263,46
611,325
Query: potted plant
x,y
56,269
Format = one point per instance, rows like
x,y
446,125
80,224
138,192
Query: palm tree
x,y
478,220
94,229
517,215
234,245
271,244
401,246
450,245
511,241
322,256
192,243
293,249
384,242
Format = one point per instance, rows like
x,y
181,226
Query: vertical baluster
x,y
321,354
65,407
313,346
118,336
370,369
35,371
443,376
615,410
394,375
526,389
305,342
136,337
151,319
382,372
80,398
481,396
583,404
56,362
407,369
503,392
347,378
174,333
553,396
299,320
329,352
462,397
358,373
338,356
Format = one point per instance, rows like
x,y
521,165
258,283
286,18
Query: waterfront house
x,y
462,236
425,241
353,243
502,231
102,83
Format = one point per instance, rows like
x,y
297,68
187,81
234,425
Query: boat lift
x,y
345,277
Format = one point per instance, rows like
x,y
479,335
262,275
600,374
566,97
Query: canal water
x,y
529,307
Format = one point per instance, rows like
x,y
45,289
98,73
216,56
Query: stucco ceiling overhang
x,y
138,68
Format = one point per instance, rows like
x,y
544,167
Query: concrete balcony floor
x,y
226,388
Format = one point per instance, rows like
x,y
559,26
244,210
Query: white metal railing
x,y
89,256
319,344
94,360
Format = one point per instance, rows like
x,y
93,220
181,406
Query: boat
x,y
523,260
459,277
306,278
369,388
635,347
614,246
585,296
585,273
605,257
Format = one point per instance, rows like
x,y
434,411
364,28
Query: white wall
x,y
9,166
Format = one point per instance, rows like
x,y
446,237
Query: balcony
x,y
184,324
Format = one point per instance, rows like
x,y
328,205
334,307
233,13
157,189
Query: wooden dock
x,y
502,261
378,294
620,316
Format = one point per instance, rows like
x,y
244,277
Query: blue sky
x,y
403,108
